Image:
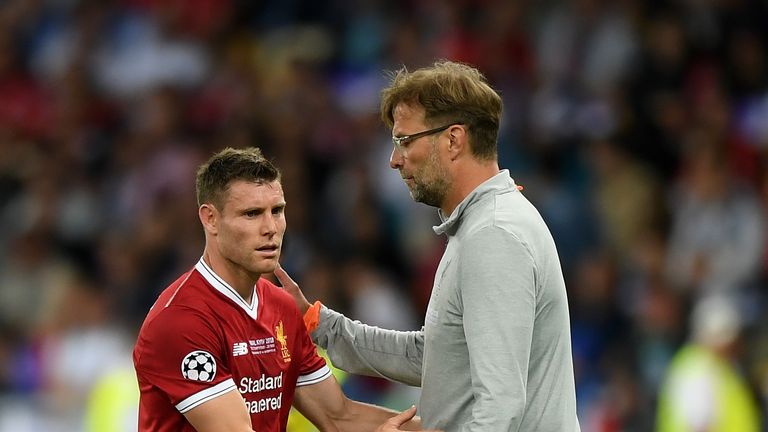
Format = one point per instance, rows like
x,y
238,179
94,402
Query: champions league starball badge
x,y
199,366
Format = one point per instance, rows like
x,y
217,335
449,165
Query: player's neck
x,y
242,281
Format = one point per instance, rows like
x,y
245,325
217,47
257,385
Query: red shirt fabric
x,y
201,340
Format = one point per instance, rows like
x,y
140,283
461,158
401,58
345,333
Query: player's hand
x,y
394,423
292,288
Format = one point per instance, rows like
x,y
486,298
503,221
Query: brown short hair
x,y
449,92
229,165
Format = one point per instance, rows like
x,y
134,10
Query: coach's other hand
x,y
402,419
292,288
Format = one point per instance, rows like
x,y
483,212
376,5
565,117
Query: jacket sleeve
x,y
497,278
366,350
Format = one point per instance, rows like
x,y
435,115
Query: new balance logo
x,y
239,348
254,347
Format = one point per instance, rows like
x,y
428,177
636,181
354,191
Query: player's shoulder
x,y
187,298
172,316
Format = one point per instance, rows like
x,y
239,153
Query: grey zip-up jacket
x,y
495,350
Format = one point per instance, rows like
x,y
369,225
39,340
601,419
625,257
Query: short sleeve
x,y
180,353
313,368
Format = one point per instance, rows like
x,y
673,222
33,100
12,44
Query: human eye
x,y
252,213
402,142
278,210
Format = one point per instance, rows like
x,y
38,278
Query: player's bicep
x,y
224,413
322,403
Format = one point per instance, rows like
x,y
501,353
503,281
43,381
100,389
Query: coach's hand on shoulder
x,y
292,288
401,422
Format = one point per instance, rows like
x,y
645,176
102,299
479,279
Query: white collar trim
x,y
219,285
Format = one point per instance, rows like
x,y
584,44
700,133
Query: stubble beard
x,y
434,183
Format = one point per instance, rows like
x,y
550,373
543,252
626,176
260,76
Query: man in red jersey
x,y
223,349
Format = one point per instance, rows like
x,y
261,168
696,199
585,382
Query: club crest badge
x,y
282,339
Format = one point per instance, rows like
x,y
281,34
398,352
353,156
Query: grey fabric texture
x,y
494,353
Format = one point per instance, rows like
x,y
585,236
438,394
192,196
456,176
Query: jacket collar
x,y
499,182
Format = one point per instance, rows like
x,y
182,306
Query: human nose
x,y
270,225
396,159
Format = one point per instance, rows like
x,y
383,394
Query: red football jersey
x,y
201,340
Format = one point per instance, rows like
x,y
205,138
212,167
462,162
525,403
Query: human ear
x,y
209,218
458,144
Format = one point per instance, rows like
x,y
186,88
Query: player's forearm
x,y
367,350
330,410
362,417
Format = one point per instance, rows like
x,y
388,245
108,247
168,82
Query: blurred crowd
x,y
639,129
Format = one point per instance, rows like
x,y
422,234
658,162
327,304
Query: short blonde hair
x,y
449,92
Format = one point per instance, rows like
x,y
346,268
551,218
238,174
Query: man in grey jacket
x,y
495,350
